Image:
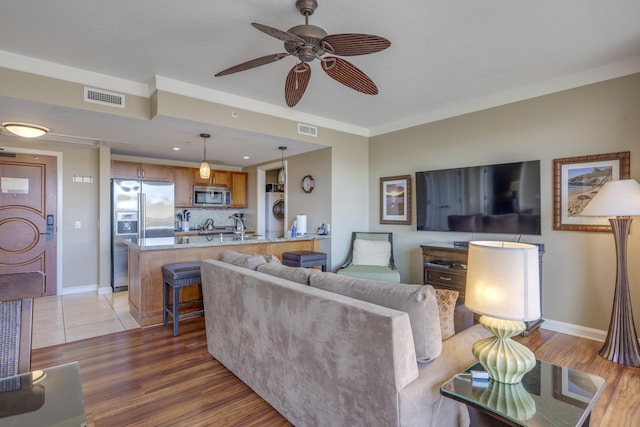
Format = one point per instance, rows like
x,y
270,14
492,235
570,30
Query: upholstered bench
x,y
17,291
175,277
305,259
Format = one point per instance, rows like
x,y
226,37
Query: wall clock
x,y
307,184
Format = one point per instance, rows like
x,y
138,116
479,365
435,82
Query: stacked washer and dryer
x,y
275,210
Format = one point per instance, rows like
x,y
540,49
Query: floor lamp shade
x,y
619,200
503,285
615,198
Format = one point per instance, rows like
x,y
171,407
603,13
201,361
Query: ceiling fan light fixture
x,y
282,175
25,130
205,169
307,43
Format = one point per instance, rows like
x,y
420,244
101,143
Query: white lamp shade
x,y
503,280
615,198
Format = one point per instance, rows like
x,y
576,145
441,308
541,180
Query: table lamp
x,y
503,285
621,200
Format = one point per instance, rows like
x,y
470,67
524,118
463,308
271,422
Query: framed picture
x,y
576,180
395,200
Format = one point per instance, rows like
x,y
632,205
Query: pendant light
x,y
282,176
205,170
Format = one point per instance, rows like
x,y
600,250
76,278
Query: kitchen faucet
x,y
238,226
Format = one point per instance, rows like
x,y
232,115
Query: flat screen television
x,y
502,198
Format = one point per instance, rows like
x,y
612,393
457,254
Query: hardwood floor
x,y
147,377
619,403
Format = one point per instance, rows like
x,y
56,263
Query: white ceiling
x,y
447,57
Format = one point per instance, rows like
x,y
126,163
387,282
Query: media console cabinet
x,y
444,266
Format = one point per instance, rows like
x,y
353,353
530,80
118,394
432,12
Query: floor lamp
x,y
620,200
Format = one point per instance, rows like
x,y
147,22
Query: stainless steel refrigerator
x,y
140,209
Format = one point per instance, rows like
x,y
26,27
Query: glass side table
x,y
52,396
549,395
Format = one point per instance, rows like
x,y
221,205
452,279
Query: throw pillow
x,y
371,252
446,308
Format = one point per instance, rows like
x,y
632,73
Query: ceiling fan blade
x,y
348,74
264,60
279,34
296,83
354,44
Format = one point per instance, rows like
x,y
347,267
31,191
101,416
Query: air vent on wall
x,y
307,130
102,97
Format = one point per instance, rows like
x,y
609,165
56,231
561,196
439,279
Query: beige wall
x,y
579,267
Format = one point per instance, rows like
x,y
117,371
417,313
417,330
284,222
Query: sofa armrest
x,y
462,318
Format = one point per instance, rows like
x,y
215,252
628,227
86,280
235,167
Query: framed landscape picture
x,y
576,180
395,200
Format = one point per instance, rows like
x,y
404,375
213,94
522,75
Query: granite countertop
x,y
182,242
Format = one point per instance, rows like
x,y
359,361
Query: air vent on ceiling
x,y
307,130
102,97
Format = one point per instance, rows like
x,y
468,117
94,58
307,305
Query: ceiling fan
x,y
308,42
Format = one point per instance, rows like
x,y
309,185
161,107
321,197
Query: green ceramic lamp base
x,y
505,360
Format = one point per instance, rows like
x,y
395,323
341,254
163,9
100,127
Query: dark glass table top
x,y
548,395
49,397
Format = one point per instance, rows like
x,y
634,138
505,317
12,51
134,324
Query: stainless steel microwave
x,y
211,196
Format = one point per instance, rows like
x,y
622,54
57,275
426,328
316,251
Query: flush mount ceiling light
x,y
25,130
282,176
205,170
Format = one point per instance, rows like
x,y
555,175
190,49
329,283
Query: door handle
x,y
50,225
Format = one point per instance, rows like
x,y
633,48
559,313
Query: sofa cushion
x,y
446,308
295,274
419,301
242,260
372,272
371,252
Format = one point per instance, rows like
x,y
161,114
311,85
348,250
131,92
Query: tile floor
x,y
62,319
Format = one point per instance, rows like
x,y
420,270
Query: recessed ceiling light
x,y
176,148
246,157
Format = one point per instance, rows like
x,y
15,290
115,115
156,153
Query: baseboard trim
x,y
86,289
575,330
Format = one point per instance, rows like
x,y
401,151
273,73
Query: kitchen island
x,y
147,256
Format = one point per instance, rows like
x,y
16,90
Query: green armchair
x,y
371,257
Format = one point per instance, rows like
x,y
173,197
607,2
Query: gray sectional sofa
x,y
322,350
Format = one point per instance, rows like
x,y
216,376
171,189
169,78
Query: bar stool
x,y
305,259
175,277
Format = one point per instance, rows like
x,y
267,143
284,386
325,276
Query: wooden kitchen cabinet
x,y
238,189
142,171
183,181
217,178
